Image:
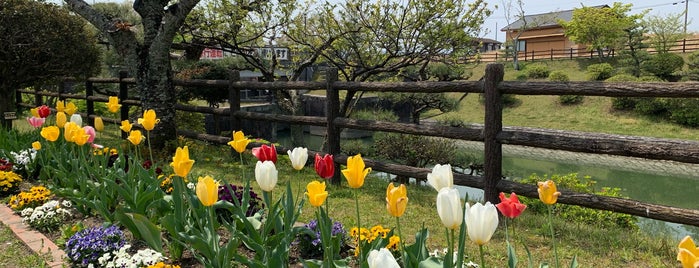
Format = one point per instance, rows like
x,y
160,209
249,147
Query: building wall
x,y
546,39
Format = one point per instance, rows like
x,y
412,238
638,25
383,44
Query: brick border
x,y
36,241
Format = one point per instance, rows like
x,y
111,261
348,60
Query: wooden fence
x,y
492,133
683,46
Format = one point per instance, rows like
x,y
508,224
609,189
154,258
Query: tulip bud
x,y
449,208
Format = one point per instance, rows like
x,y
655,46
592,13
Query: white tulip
x,y
382,259
441,177
266,175
77,119
298,157
449,208
481,221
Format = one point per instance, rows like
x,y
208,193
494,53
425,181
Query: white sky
x,y
497,20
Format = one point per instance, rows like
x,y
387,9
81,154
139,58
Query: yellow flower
x,y
69,131
207,191
355,172
71,108
148,120
80,137
113,104
34,111
99,124
393,242
239,142
60,106
36,145
181,162
316,193
396,199
126,126
547,192
688,253
50,133
135,137
61,119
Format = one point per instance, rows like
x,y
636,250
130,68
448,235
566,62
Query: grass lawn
x,y
13,252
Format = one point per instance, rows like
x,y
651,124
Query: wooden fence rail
x,y
492,133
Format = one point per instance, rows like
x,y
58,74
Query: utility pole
x,y
686,9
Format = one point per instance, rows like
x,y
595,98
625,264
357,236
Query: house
x,y
543,34
486,44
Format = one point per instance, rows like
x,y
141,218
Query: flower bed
x,y
161,215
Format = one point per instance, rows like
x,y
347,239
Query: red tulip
x,y
265,153
43,111
325,167
510,207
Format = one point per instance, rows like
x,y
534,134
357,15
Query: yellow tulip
x,y
69,130
148,120
316,193
80,137
355,172
396,199
36,145
126,126
181,162
34,111
239,142
547,192
61,119
688,253
50,133
135,137
207,191
99,124
113,104
60,106
71,108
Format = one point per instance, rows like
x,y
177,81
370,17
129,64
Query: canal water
x,y
659,182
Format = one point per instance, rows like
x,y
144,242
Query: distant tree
x,y
665,31
600,28
39,43
635,53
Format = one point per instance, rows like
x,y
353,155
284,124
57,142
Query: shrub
x,y
693,66
558,76
600,71
87,246
576,213
570,99
623,103
414,150
684,111
537,71
664,65
355,146
522,76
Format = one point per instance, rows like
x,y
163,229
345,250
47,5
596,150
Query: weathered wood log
x,y
305,120
492,148
464,133
627,206
599,143
610,89
425,86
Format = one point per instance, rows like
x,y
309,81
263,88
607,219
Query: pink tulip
x,y
90,131
36,122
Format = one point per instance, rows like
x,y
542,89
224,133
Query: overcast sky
x,y
498,20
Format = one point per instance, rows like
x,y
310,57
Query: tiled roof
x,y
543,20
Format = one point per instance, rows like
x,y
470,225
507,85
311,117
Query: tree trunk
x,y
7,105
157,92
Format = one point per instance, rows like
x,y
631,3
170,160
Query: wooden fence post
x,y
89,91
332,111
234,101
123,95
492,166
